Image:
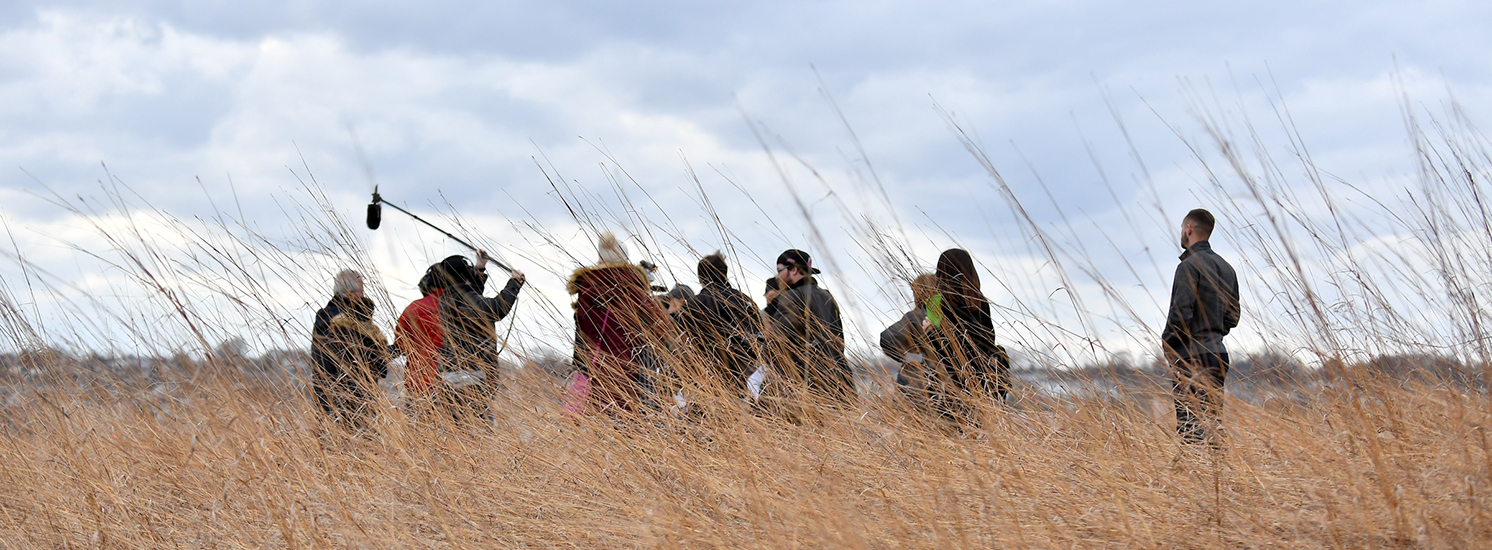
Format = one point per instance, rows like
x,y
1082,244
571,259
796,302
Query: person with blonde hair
x,y
906,342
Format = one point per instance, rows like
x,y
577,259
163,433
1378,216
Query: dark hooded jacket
x,y
723,323
806,321
358,348
351,356
468,323
321,353
965,342
1204,304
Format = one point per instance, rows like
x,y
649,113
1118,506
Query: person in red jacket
x,y
419,336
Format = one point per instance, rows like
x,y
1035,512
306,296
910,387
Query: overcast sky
x,y
851,107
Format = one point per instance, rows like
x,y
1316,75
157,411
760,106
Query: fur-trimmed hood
x,y
605,273
346,321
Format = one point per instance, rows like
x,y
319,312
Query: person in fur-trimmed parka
x,y
616,318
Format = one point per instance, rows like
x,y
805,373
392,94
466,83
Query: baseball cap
x,y
797,257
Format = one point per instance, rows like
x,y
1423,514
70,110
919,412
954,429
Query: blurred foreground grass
x,y
233,463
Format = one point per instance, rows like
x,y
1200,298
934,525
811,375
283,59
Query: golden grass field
x,y
230,465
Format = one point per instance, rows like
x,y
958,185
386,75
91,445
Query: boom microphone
x,y
375,212
375,218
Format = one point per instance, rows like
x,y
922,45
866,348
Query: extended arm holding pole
x,y
379,200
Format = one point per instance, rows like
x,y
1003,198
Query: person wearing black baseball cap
x,y
806,321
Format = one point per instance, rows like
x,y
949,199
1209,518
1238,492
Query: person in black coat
x,y
468,323
349,353
722,325
1204,308
806,324
963,335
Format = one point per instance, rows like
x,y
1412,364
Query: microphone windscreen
x,y
375,215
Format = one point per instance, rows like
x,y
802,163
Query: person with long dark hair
x,y
963,334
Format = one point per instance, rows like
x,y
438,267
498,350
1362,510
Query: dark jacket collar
x,y
340,301
802,282
1199,246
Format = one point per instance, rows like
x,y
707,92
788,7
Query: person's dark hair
x,y
1202,220
712,269
958,280
431,282
456,270
773,283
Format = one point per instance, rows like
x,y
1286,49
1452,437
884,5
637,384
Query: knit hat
x,y
682,292
611,250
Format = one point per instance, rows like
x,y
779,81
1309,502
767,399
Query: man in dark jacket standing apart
x,y
468,323
722,324
1204,307
805,320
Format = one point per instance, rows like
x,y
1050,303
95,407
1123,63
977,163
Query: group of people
x,y
451,328
633,347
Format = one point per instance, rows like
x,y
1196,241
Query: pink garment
x,y
577,394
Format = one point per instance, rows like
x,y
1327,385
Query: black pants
x,y
1197,386
343,401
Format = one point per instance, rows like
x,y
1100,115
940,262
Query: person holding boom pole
x,y
468,320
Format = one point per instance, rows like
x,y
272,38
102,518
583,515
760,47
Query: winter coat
x,y
357,356
468,323
806,323
616,317
419,336
1204,304
321,354
723,324
964,341
359,349
906,337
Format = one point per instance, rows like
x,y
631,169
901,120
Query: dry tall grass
x,y
229,465
214,453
